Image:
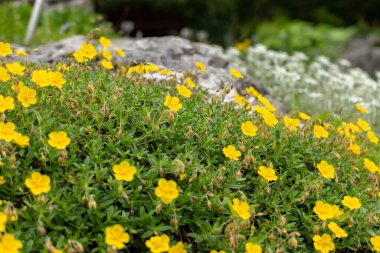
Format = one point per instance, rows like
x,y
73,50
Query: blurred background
x,y
314,26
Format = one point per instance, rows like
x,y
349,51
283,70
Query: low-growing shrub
x,y
105,159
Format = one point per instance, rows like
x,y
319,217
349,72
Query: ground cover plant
x,y
99,158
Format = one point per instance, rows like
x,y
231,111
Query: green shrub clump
x,y
99,158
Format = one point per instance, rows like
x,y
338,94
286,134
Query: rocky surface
x,y
170,52
364,53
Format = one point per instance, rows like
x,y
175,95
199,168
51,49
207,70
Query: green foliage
x,y
54,24
292,36
111,118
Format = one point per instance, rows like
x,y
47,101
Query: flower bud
x,y
316,229
91,202
147,118
76,246
271,238
41,230
158,208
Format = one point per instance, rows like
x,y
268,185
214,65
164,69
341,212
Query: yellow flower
x,y
292,124
178,248
15,68
324,244
243,45
182,176
215,251
21,140
183,91
266,102
7,131
124,171
242,101
270,119
354,148
107,54
303,116
241,208
88,51
40,77
326,170
320,132
231,152
172,103
326,211
56,79
106,64
372,137
351,202
38,183
375,240
166,72
248,128
361,108
6,103
261,110
5,49
3,221
4,76
21,52
338,231
236,73
363,125
116,236
105,42
119,52
9,244
2,181
200,66
253,248
371,166
79,56
190,82
268,174
59,140
252,91
27,96
158,244
166,190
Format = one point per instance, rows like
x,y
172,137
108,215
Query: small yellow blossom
x,y
59,140
248,128
5,49
190,82
252,91
326,211
241,208
240,100
323,244
88,50
173,103
354,148
327,171
178,248
182,176
21,52
292,124
116,236
263,100
56,79
363,125
270,119
243,45
200,66
253,248
3,221
2,181
27,96
9,244
105,42
166,190
7,131
351,202
15,68
38,183
372,137
106,64
124,171
107,54
4,76
21,140
268,174
361,108
231,152
119,52
338,231
320,132
79,56
215,251
303,116
40,77
158,244
375,240
6,103
371,166
236,73
166,72
183,91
